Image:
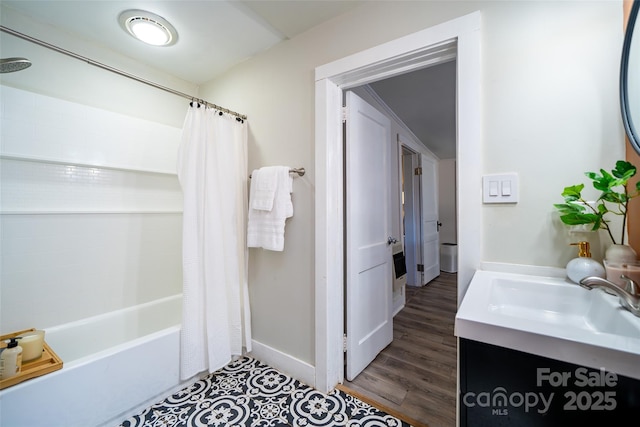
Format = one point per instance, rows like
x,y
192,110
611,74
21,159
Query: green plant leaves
x,y
572,193
579,219
619,176
624,170
572,213
576,211
569,208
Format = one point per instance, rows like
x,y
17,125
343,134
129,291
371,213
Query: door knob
x,y
391,240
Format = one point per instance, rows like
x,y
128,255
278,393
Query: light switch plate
x,y
506,186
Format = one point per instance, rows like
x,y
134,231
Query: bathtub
x,y
115,364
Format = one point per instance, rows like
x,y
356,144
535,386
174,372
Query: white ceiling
x,y
425,100
215,35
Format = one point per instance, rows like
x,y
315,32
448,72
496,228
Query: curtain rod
x,y
117,71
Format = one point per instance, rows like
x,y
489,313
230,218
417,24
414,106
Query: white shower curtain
x,y
212,168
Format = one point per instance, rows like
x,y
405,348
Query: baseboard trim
x,y
398,310
296,368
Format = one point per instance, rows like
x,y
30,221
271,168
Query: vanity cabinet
x,y
505,387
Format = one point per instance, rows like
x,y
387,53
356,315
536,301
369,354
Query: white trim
x,y
420,153
289,365
406,140
328,237
396,57
392,58
469,154
399,309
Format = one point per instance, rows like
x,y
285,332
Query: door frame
x,y
412,216
459,38
430,239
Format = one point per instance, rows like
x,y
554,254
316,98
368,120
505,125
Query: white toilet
x,y
449,257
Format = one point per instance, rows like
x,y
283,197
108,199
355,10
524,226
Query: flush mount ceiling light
x,y
148,27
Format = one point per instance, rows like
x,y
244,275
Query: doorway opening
x,y
411,217
420,363
459,37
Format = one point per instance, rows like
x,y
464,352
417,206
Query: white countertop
x,y
551,317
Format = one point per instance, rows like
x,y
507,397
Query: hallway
x,y
416,374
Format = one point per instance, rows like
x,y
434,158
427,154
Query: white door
x,y
430,237
368,222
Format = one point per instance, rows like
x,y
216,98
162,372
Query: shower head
x,y
9,65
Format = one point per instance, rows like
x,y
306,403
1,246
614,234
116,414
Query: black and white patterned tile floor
x,y
248,393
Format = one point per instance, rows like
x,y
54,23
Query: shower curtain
x,y
212,169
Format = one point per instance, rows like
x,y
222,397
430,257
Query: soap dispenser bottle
x,y
10,360
584,265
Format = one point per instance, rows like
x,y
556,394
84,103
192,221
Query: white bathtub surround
x,y
212,168
47,129
91,210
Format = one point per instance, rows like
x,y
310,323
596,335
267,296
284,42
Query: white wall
x,y
90,203
550,112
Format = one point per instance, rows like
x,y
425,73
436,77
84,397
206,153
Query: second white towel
x,y
263,183
265,228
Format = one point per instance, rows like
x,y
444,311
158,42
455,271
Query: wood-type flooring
x,y
416,374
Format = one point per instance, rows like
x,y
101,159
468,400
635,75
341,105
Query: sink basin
x,y
552,317
561,303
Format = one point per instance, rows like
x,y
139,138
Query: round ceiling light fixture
x,y
148,27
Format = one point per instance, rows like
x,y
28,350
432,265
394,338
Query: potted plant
x,y
613,200
576,211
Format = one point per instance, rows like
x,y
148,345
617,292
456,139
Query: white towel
x,y
265,229
265,181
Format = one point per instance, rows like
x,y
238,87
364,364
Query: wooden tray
x,y
49,362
